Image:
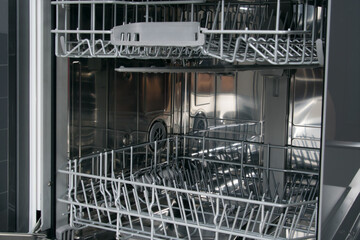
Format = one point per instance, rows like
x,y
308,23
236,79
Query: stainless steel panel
x,y
110,109
47,119
123,108
308,91
120,107
275,125
21,236
202,94
62,136
306,96
250,96
225,106
83,107
227,98
177,107
204,87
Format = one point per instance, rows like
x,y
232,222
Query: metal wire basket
x,y
192,187
238,32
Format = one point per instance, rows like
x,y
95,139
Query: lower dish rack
x,y
190,187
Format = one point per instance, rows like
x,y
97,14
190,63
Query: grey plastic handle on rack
x,y
175,34
320,51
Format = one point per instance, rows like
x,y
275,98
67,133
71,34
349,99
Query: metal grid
x,y
250,131
192,187
84,28
235,32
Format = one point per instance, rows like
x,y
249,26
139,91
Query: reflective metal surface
x,y
109,109
307,104
306,96
228,98
21,236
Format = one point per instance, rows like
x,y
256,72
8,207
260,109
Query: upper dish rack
x,y
275,32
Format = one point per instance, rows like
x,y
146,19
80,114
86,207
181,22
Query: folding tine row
x,y
275,32
248,130
91,28
191,188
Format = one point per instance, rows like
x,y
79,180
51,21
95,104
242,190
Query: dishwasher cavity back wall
x,y
188,119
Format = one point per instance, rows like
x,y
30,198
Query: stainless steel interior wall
x,y
62,136
307,93
108,109
227,98
62,133
276,106
235,96
306,104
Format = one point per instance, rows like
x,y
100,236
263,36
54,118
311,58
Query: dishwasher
x,y
195,119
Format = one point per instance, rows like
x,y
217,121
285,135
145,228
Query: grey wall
x,y
22,115
4,105
7,115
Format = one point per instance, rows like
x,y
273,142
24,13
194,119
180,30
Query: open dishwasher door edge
x,y
340,156
40,124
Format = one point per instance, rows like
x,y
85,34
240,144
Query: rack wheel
x,y
200,122
157,132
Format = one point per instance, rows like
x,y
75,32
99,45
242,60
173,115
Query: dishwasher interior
x,y
192,119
